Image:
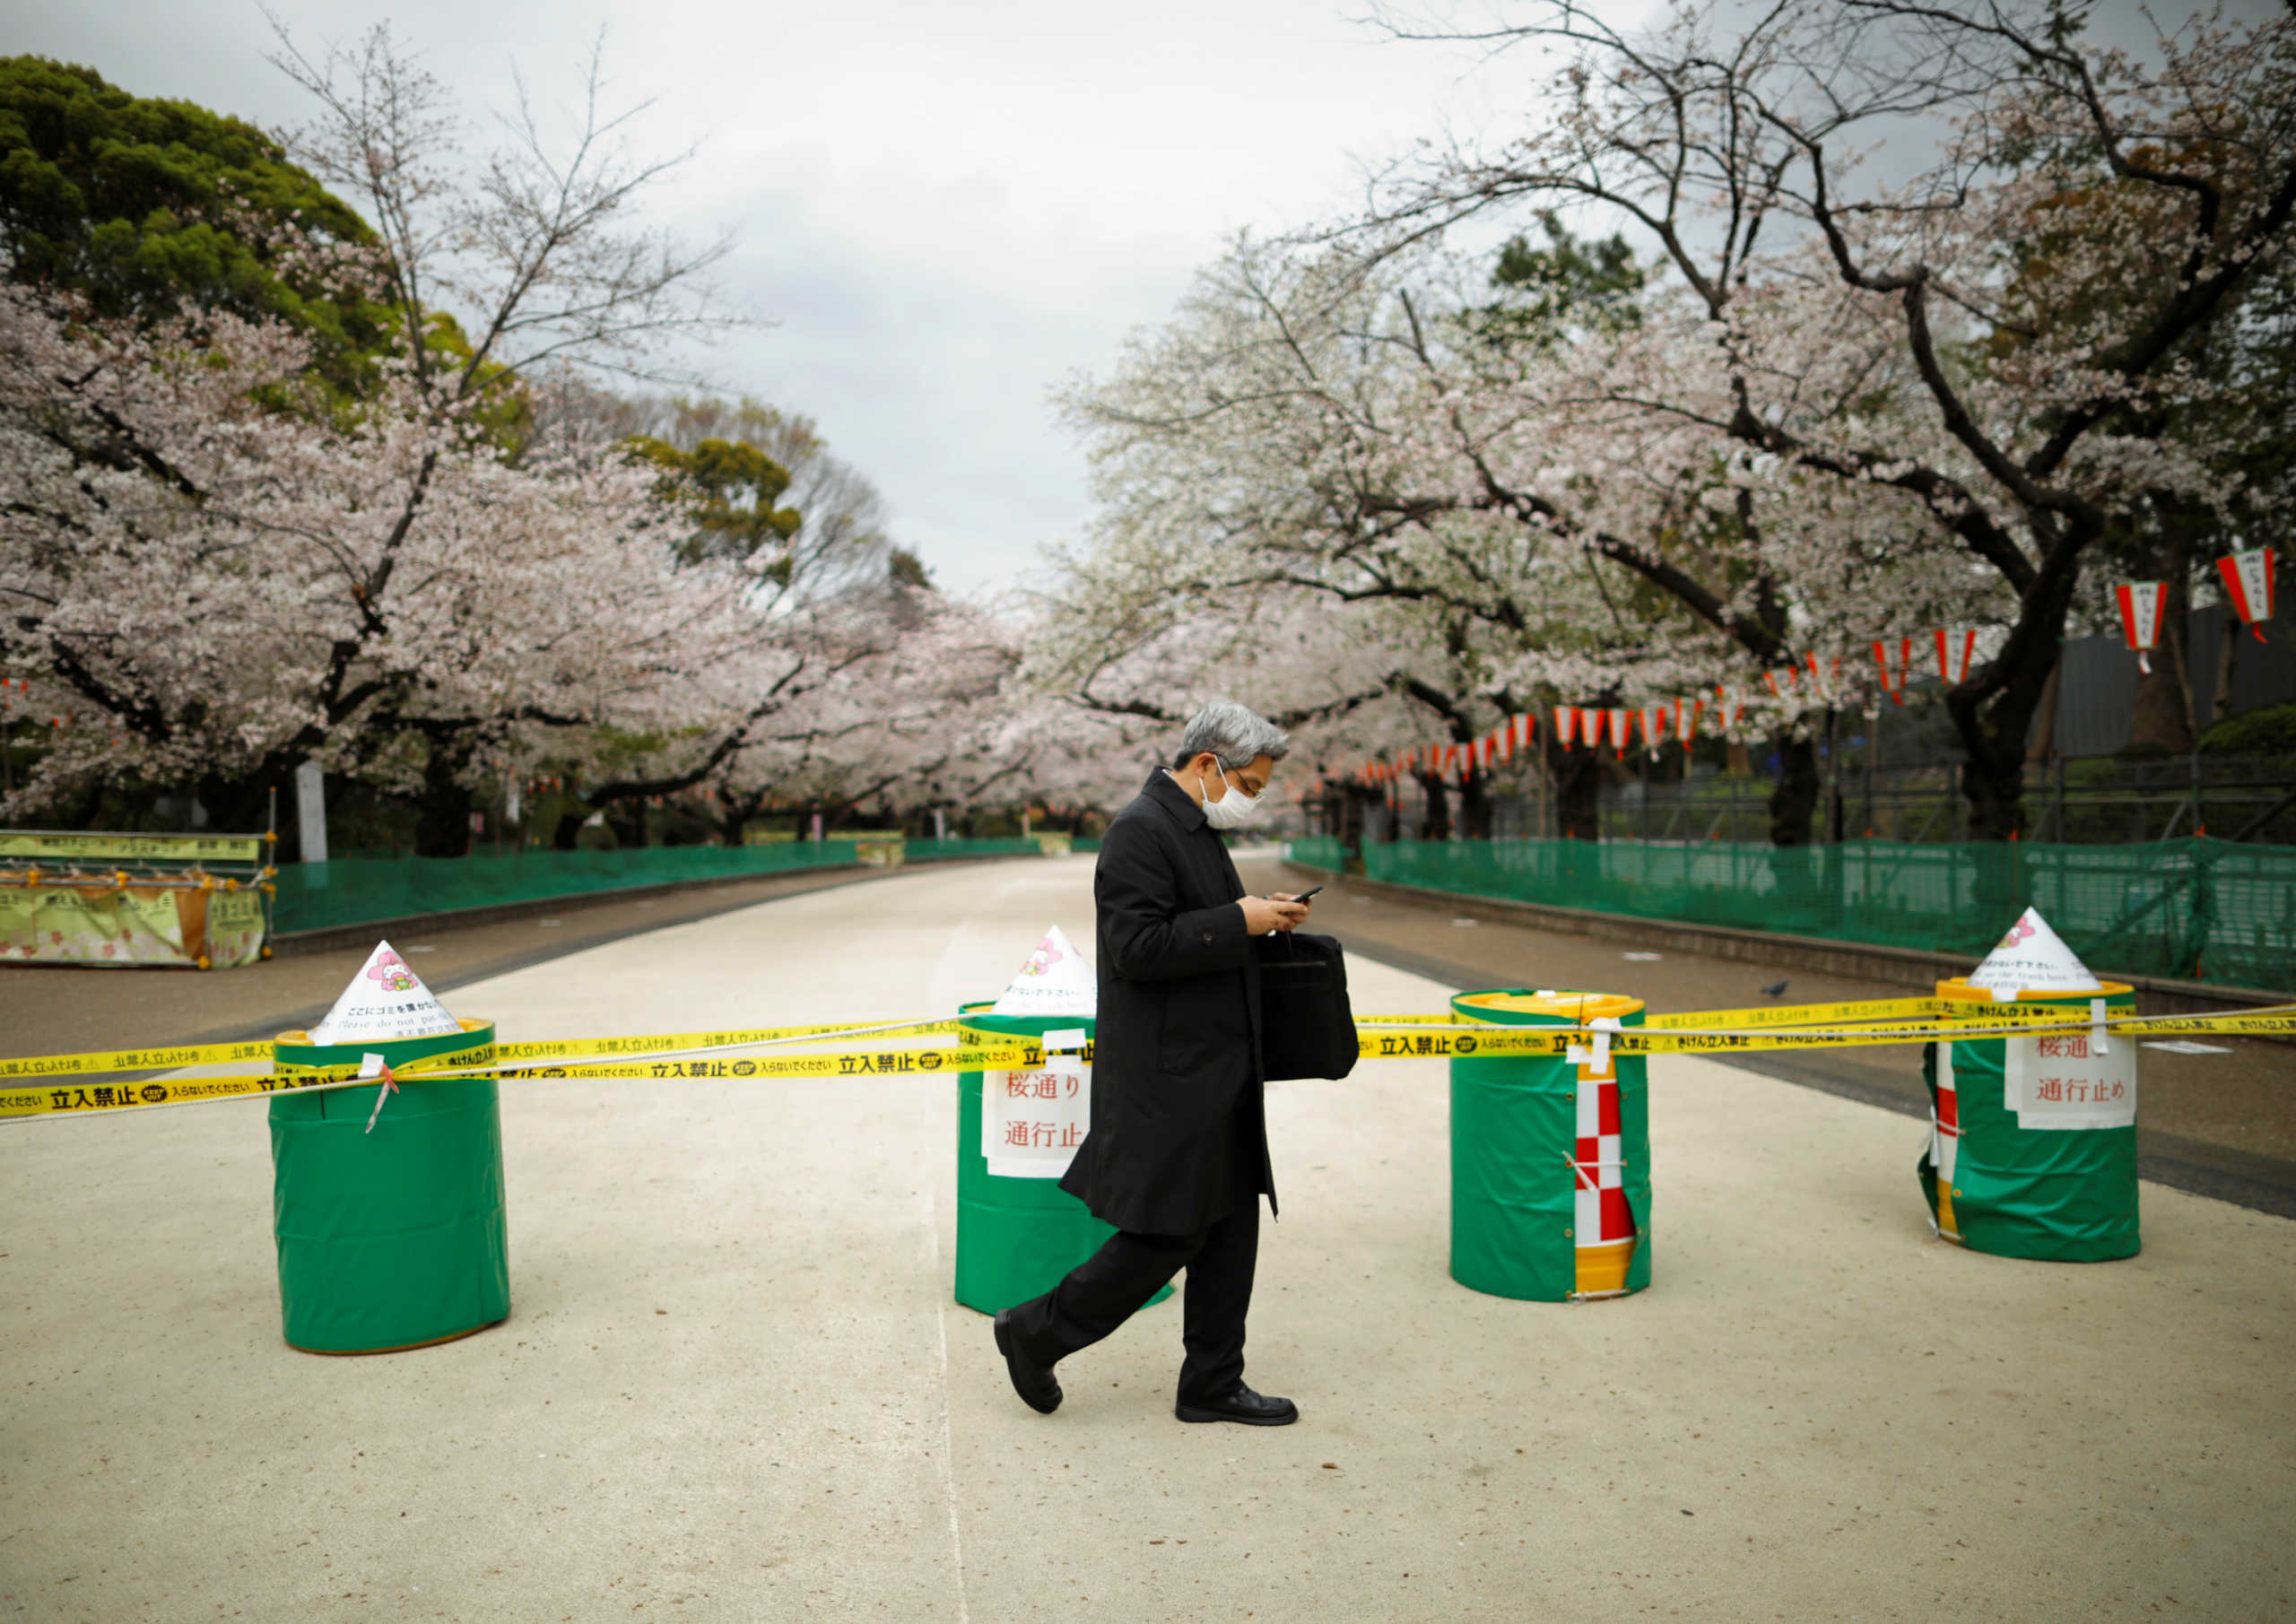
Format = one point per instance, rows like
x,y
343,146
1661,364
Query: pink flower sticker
x,y
391,970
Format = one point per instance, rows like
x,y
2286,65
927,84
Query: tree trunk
x,y
1578,794
1438,823
442,812
1353,802
1992,735
626,819
1474,806
239,805
2163,714
2228,660
1992,730
734,816
1793,804
1993,780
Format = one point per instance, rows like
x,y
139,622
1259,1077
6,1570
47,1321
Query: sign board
x,y
311,811
139,848
2062,1080
1031,1122
134,924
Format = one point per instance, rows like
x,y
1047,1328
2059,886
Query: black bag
x,y
1307,1028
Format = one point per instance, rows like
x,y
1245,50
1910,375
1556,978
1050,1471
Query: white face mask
x,y
1231,811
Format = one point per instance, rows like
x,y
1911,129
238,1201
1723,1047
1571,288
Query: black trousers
x,y
1105,1288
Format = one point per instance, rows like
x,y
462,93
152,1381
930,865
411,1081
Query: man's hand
x,y
1265,914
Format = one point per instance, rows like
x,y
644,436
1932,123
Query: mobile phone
x,y
1304,894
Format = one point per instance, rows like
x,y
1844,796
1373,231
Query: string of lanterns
x,y
2247,580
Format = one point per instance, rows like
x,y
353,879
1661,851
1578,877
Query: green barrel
x,y
1015,1237
397,1237
1549,1166
1996,1178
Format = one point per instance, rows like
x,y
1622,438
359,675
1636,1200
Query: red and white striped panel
x,y
1603,1215
1945,1117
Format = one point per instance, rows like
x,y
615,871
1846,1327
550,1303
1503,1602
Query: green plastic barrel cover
x,y
397,1237
1514,1137
2064,1195
1016,1237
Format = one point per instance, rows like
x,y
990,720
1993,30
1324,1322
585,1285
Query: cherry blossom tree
x,y
911,721
193,544
1994,337
1384,438
217,563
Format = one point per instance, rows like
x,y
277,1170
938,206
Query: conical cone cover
x,y
2033,958
1054,981
385,1000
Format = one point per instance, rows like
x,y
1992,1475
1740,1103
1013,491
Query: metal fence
x,y
2199,909
2077,802
2080,802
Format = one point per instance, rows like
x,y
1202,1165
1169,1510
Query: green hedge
x,y
2199,909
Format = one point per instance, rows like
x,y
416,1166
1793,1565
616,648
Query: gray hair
x,y
1237,736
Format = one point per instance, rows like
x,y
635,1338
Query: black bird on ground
x,y
1776,989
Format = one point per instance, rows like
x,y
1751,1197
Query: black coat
x,y
1176,1063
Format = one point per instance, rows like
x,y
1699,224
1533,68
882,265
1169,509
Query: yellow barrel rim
x,y
1562,1005
301,1039
294,1054
1956,989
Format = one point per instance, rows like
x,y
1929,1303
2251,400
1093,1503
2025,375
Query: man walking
x,y
1177,1154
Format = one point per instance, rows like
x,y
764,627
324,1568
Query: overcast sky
x,y
945,209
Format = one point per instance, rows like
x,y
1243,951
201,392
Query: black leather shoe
x,y
1034,1382
1252,1409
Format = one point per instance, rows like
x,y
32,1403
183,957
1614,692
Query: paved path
x,y
733,1387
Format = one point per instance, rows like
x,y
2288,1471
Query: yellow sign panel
x,y
25,844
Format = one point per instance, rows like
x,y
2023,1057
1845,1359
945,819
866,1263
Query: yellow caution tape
x,y
1976,1023
136,1060
1704,1032
177,1056
864,1063
1808,1014
578,1049
1769,1015
76,1099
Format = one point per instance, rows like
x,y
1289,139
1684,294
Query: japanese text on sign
x,y
2062,1081
1032,1120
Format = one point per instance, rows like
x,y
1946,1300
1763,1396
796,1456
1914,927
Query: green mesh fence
x,y
1318,851
935,851
2201,909
355,891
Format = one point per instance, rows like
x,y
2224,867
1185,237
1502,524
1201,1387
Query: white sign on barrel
x,y
1031,1122
2069,1079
